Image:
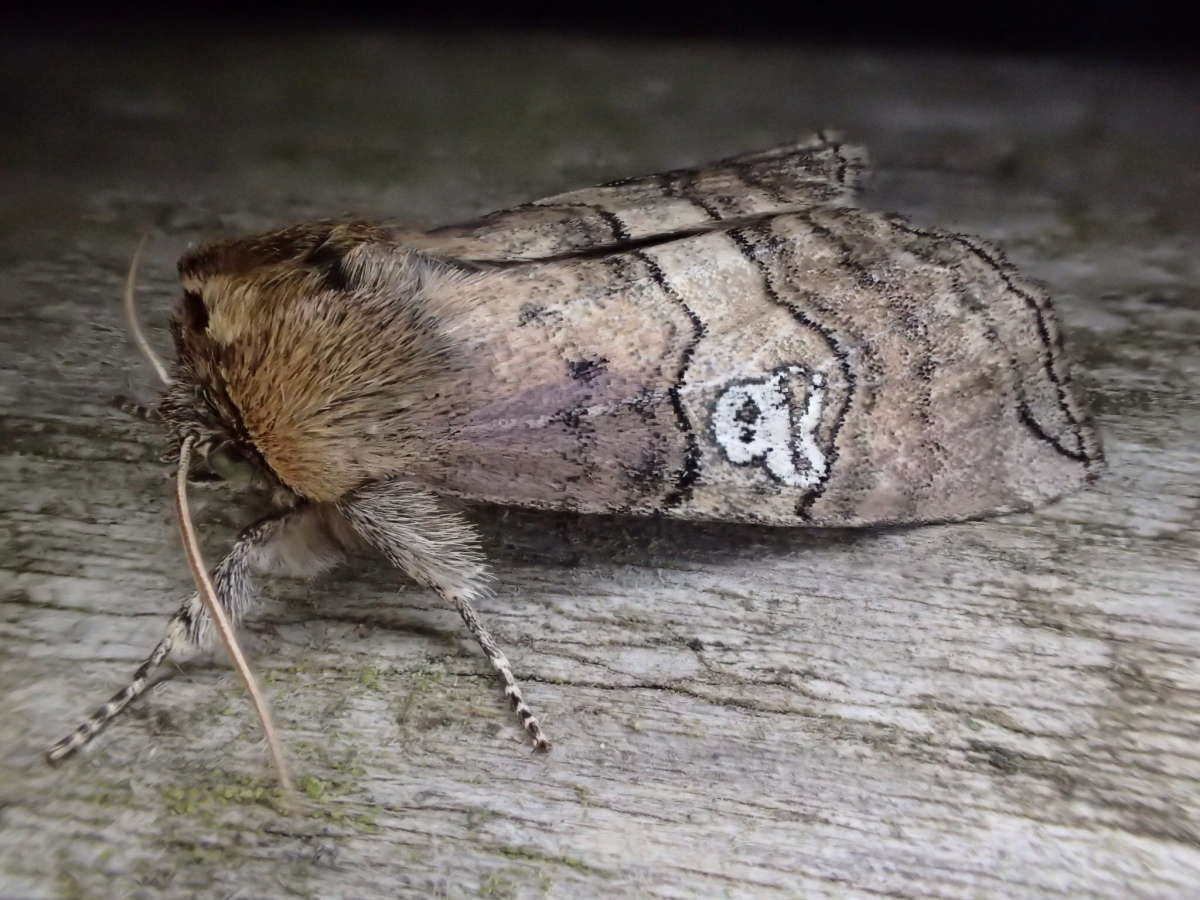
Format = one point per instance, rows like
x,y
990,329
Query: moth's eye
x,y
229,463
195,310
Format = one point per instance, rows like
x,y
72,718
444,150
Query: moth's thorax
x,y
322,347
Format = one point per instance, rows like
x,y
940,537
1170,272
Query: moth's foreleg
x,y
439,549
92,725
297,540
136,410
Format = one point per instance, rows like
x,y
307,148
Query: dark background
x,y
1143,30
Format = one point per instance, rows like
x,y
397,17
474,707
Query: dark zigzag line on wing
x,y
843,163
815,143
690,471
682,185
812,185
1023,411
685,188
862,276
654,176
804,507
620,231
836,147
750,180
866,282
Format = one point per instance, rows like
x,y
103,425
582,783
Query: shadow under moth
x,y
738,342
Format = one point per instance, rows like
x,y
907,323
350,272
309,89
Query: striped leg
x,y
136,410
298,533
92,725
499,662
439,549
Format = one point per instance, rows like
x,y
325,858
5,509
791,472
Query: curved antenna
x,y
217,612
131,316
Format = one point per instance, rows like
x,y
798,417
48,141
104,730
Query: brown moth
x,y
737,343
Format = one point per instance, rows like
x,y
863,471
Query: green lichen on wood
x,y
322,798
533,855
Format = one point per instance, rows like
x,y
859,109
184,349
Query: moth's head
x,y
287,344
230,288
218,452
216,457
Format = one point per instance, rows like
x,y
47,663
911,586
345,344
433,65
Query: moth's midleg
x,y
437,548
499,662
257,547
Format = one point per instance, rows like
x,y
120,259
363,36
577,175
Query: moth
x,y
739,342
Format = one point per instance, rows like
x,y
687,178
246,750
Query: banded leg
x,y
93,724
438,549
500,663
296,538
136,410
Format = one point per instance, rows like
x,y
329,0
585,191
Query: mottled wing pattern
x,y
568,399
818,171
894,374
828,366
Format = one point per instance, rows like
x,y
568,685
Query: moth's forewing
x,y
833,367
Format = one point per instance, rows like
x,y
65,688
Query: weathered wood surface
x,y
996,709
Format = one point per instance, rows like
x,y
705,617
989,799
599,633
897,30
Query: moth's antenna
x,y
131,316
217,612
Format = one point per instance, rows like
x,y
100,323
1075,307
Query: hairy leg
x,y
438,549
299,541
